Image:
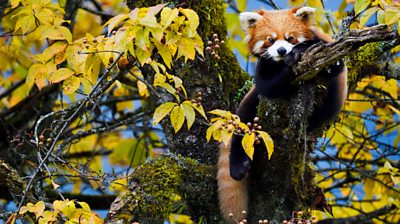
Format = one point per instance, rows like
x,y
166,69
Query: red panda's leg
x,y
239,161
232,194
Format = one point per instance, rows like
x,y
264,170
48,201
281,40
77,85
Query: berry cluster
x,y
197,100
43,140
214,46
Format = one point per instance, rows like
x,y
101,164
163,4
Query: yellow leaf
x,y
61,74
392,15
189,113
54,49
59,33
113,22
269,143
360,5
149,21
142,88
154,10
248,144
193,20
165,54
177,118
367,14
199,109
84,206
26,24
381,16
36,74
71,84
38,209
186,49
162,111
168,15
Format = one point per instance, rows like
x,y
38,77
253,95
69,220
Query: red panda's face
x,y
273,34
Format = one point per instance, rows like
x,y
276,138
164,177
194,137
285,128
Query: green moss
x,y
363,57
164,185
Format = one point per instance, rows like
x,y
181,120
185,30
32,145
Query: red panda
x,y
276,38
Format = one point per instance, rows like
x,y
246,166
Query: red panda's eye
x,y
290,39
271,40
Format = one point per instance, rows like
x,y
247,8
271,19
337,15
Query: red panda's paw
x,y
239,165
294,56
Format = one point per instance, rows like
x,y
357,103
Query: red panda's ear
x,y
305,13
249,19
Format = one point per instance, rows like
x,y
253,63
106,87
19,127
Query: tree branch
x,y
321,55
360,218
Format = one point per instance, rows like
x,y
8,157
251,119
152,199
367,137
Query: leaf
x,y
162,111
241,4
70,85
361,5
177,118
248,144
199,109
59,33
381,16
367,14
269,143
39,209
167,16
154,10
186,49
193,20
142,88
26,24
165,54
189,112
84,206
113,22
149,21
61,74
36,74
392,15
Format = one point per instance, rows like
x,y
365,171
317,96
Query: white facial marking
x,y
304,10
273,50
258,47
274,35
246,18
287,35
301,39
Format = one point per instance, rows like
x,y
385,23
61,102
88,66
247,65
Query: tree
x,y
79,98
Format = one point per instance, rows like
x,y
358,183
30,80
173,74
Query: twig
x,y
94,93
12,88
328,17
270,3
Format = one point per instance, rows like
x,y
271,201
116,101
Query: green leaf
x,y
177,118
392,15
189,113
162,111
248,144
61,74
269,143
361,5
168,15
71,84
381,16
193,20
367,14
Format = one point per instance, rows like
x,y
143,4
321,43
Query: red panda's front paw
x,y
239,166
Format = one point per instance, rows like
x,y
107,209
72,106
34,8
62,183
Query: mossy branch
x,y
321,55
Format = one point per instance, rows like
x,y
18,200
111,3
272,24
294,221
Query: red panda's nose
x,y
281,51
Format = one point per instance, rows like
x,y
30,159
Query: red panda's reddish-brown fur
x,y
232,194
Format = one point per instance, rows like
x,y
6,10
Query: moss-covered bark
x,y
165,185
